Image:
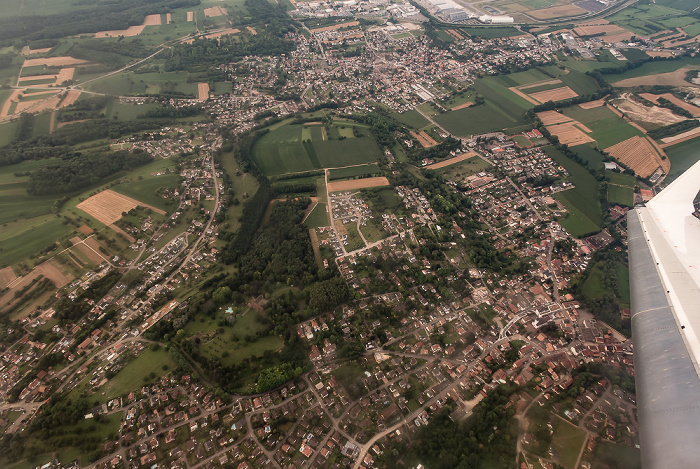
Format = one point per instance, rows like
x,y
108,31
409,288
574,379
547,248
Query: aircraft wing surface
x,y
664,255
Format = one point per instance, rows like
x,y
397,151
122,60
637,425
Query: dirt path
x,y
316,248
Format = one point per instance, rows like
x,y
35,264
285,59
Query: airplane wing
x,y
664,260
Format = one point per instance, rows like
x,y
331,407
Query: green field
x,y
235,343
129,83
490,33
620,195
650,19
621,179
609,455
595,286
244,186
23,213
285,150
590,155
318,216
682,156
29,237
653,68
581,201
353,172
606,126
411,118
567,441
464,168
502,108
144,190
131,377
7,131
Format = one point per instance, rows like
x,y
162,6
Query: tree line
x,y
90,17
78,171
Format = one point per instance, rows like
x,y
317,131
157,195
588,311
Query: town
x,y
382,230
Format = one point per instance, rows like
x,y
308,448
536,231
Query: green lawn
x,y
593,286
620,195
131,377
581,201
354,239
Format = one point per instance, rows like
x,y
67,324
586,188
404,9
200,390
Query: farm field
x,y
650,19
581,201
505,104
451,161
590,155
130,83
606,127
354,184
287,149
653,68
682,156
23,213
640,155
107,206
353,172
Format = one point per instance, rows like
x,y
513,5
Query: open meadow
x,y
582,201
295,148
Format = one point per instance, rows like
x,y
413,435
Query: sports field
x,y
295,148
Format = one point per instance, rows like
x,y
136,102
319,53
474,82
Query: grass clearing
x,y
502,108
318,216
131,377
145,190
620,179
581,201
609,455
411,118
567,441
620,195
